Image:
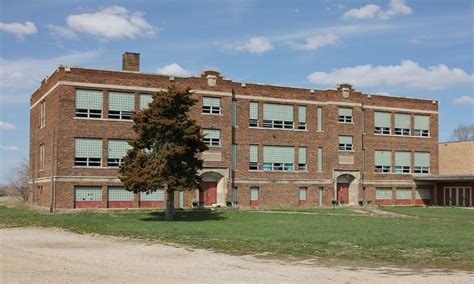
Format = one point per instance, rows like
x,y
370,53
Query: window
x,y
254,194
278,116
345,115
89,103
303,193
158,195
320,119
88,152
253,115
403,193
121,105
278,158
87,193
41,157
302,117
320,159
116,150
119,193
383,193
402,124
253,157
382,123
422,163
234,113
42,114
402,162
345,143
145,100
233,194
211,105
422,125
383,161
234,156
423,193
302,159
212,137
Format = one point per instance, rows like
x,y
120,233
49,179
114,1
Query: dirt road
x,y
39,255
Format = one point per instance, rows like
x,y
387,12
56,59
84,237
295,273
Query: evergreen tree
x,y
165,150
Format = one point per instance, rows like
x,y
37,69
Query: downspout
x,y
363,154
52,208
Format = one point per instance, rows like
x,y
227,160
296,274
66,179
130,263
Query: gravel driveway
x,y
38,255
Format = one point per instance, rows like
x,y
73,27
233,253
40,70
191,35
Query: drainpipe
x,y
52,208
363,153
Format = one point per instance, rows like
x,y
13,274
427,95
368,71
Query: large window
x,y
383,193
402,162
116,150
403,193
382,123
302,167
89,103
383,161
42,114
158,195
88,152
87,193
345,143
253,157
422,163
278,158
278,116
121,105
422,125
212,137
211,105
402,124
345,115
301,117
119,193
145,100
253,114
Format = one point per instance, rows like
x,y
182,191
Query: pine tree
x,y
165,150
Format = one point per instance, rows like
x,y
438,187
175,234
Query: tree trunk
x,y
169,213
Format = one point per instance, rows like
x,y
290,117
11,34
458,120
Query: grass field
x,y
434,238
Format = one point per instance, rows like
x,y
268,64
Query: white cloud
x,y
408,74
19,29
371,11
20,77
367,12
7,125
255,45
114,22
61,31
464,100
174,70
9,148
316,42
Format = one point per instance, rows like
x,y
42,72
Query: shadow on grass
x,y
187,216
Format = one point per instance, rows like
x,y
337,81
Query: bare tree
x,y
463,133
18,181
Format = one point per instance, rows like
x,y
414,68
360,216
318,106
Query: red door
x,y
343,192
208,194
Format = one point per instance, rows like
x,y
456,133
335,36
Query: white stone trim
x,y
388,182
282,181
77,179
45,95
401,109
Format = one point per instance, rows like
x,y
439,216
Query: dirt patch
x,y
53,255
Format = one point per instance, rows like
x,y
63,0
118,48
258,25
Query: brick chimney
x,y
131,61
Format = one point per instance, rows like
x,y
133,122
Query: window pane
x,y
89,99
278,112
88,148
121,101
278,154
145,100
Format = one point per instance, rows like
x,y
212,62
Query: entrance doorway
x,y
343,192
208,193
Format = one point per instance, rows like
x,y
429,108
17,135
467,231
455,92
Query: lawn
x,y
434,239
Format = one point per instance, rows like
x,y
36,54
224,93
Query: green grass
x,y
435,212
423,242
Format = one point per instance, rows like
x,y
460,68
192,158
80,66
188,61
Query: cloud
x,y
255,45
464,100
61,31
19,29
9,148
367,12
371,11
7,125
408,74
20,77
316,42
114,22
174,70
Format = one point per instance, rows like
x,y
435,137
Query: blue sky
x,y
404,48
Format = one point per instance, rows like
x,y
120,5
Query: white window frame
x,y
346,147
213,110
278,167
421,133
212,142
382,130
